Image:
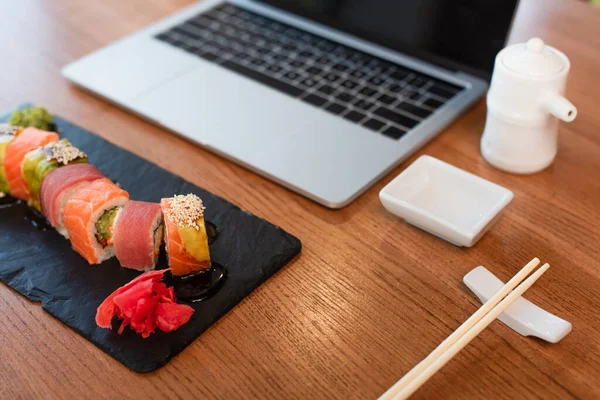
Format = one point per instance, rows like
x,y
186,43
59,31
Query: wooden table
x,y
369,296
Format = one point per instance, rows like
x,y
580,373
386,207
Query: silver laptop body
x,y
306,148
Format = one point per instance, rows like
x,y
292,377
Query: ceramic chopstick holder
x,y
522,316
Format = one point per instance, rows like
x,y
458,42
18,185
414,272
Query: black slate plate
x,y
42,267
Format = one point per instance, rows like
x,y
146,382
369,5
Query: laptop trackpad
x,y
222,110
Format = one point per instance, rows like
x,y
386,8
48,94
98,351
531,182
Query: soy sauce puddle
x,y
31,214
199,286
37,219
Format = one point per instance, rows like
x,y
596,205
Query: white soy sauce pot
x,y
525,102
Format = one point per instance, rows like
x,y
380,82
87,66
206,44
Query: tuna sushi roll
x,y
185,234
138,235
89,217
7,134
59,185
40,162
27,140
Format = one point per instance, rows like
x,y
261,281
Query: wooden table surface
x,y
369,296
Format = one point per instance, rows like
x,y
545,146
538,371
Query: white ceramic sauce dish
x,y
445,201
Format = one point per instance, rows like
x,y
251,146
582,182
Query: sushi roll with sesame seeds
x,y
40,162
185,234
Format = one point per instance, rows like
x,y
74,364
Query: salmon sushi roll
x,y
40,162
89,217
138,235
185,234
7,135
59,185
28,140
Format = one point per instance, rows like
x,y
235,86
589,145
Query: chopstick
x,y
465,333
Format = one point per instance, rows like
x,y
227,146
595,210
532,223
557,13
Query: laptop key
x,y
344,97
327,90
355,116
358,74
374,124
367,91
278,56
399,74
335,108
291,75
348,84
395,117
332,77
376,80
394,132
309,82
364,104
267,80
418,82
441,92
315,100
275,68
433,103
340,67
395,88
414,110
208,55
385,99
411,94
314,70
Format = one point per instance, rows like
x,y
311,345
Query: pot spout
x,y
560,107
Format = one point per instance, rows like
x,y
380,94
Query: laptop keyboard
x,y
366,90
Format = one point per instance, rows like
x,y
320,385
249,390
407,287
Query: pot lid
x,y
533,58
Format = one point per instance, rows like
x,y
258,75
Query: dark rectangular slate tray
x,y
41,266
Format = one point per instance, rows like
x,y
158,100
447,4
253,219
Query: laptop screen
x,y
457,34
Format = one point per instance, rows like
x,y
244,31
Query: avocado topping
x,y
104,226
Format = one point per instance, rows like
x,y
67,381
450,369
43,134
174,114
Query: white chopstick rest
x,y
522,316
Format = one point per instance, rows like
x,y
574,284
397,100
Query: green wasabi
x,y
104,226
37,116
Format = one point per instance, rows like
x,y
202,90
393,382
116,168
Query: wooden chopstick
x,y
468,324
461,342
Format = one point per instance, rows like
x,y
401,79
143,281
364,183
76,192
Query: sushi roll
x,y
7,134
138,235
59,185
27,140
185,234
40,162
89,217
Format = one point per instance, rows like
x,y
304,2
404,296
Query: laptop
x,y
324,97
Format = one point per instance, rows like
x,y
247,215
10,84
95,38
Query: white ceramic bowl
x,y
445,201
